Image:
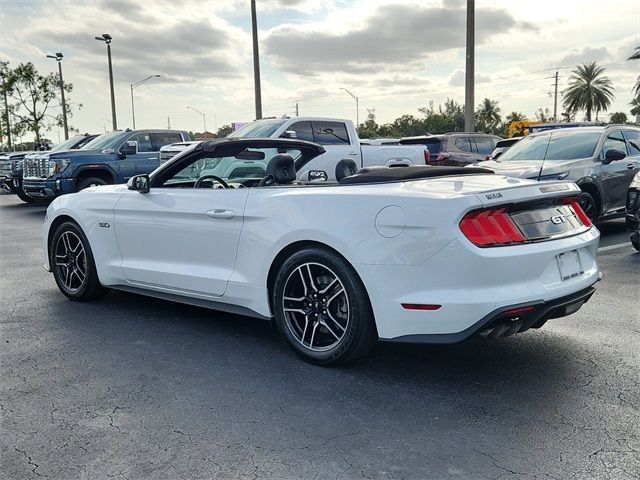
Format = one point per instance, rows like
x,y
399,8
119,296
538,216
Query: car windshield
x,y
259,129
67,144
108,140
555,145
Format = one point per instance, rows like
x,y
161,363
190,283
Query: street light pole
x,y
58,57
106,38
204,118
256,61
469,84
357,107
6,110
136,85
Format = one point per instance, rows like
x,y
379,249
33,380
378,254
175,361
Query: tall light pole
x,y
469,84
136,85
6,110
58,57
256,61
357,107
106,38
204,118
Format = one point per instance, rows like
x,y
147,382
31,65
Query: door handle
x,y
353,153
222,214
152,158
631,166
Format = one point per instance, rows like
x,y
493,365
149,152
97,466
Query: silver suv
x,y
601,160
456,148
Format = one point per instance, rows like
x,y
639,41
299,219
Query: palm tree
x,y
589,90
488,115
635,106
636,87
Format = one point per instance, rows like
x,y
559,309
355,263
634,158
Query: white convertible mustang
x,y
420,254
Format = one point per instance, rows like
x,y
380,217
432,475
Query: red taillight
x,y
427,156
491,227
421,306
487,157
575,205
443,156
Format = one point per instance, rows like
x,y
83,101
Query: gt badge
x,y
491,196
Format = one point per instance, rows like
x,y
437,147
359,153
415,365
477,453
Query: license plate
x,y
570,265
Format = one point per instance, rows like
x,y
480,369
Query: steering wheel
x,y
201,180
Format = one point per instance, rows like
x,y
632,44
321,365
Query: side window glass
x,y
303,130
484,144
330,133
463,144
160,139
633,141
144,142
614,140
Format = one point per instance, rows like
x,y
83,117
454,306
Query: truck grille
x,y
36,168
16,164
5,167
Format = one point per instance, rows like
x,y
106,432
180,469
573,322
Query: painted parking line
x,y
614,247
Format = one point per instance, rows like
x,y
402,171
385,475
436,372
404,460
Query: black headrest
x,y
345,168
282,168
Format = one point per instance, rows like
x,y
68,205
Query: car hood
x,y
71,154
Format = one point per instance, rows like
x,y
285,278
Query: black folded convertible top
x,y
399,174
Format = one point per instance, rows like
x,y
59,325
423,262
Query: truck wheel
x,y
90,182
72,263
322,308
24,197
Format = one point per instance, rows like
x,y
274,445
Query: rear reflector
x,y
513,311
427,156
491,227
420,306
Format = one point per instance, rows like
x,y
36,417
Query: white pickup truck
x,y
340,140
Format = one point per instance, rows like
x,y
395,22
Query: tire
x,y
636,242
325,315
72,264
24,197
90,182
589,205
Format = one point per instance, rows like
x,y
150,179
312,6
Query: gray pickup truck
x,y
602,161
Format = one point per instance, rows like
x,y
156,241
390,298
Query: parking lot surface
x,y
130,387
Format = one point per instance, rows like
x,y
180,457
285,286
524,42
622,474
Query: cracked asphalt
x,y
134,388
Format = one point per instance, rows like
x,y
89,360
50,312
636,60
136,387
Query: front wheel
x,y
72,264
24,197
322,308
589,205
90,182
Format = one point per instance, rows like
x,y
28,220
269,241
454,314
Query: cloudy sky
x,y
396,55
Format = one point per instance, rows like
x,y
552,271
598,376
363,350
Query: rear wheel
x,y
72,263
322,308
90,182
589,205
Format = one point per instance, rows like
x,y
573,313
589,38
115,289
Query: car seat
x,y
281,170
345,168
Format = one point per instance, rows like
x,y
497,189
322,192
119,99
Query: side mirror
x,y
139,183
318,176
612,155
289,134
129,148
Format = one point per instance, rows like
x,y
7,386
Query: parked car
x,y
601,160
340,140
456,148
420,254
501,147
111,158
11,173
167,152
633,211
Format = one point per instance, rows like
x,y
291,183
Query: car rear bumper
x,y
468,286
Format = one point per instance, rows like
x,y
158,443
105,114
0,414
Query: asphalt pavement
x,y
130,387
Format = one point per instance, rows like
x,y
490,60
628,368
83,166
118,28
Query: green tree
x,y
618,117
223,131
33,94
635,106
369,128
636,87
543,115
488,116
589,90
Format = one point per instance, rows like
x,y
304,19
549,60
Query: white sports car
x,y
419,254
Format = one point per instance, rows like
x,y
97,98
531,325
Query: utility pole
x,y
204,118
106,38
469,85
7,124
136,85
555,100
357,106
58,57
256,61
169,123
297,110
